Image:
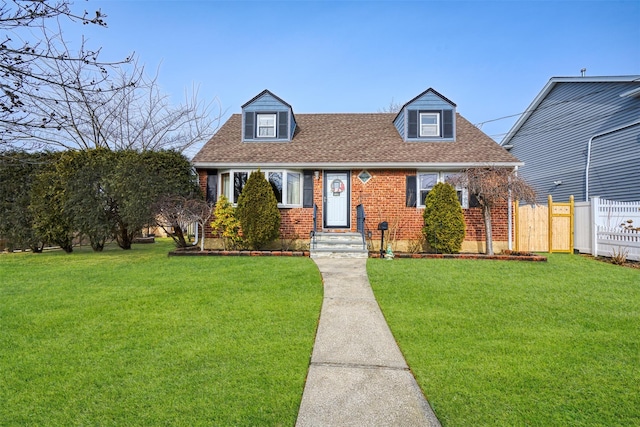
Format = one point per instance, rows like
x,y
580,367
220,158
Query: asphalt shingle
x,y
369,138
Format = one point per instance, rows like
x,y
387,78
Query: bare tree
x,y
174,218
176,213
131,113
493,186
32,55
200,212
393,107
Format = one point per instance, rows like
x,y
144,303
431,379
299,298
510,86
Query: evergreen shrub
x,y
226,224
444,227
258,212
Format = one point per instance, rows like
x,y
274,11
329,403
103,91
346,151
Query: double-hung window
x,y
275,179
429,124
294,180
266,125
426,181
239,180
461,192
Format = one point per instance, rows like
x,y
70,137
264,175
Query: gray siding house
x,y
581,136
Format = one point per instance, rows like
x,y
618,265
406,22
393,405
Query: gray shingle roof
x,y
344,140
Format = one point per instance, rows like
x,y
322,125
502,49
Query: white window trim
x,y
275,126
266,172
365,181
437,125
442,176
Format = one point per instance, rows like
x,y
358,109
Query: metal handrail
x,y
361,218
314,232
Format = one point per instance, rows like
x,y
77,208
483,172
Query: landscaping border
x,y
372,254
534,258
237,253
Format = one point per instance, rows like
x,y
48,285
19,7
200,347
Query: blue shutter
x,y
307,189
447,123
249,125
411,185
283,125
412,130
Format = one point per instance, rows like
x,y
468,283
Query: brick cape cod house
x,y
386,163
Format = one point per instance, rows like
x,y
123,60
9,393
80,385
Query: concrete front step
x,y
338,245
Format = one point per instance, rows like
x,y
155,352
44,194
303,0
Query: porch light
x,y
316,174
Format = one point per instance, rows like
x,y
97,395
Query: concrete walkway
x,y
358,376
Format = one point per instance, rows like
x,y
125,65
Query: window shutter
x,y
307,189
249,125
212,186
412,130
411,191
283,125
447,123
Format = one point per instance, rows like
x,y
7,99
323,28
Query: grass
x,y
518,343
138,338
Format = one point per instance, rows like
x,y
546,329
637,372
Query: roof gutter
x,y
339,166
590,143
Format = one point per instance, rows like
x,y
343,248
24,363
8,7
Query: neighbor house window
x,y
429,124
426,181
266,125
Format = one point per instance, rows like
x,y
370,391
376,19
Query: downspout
x,y
510,214
195,237
589,144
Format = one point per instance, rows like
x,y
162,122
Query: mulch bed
x,y
502,257
197,252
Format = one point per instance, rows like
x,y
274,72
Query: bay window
x,y
286,185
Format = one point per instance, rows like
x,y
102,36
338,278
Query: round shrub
x,y
258,211
443,219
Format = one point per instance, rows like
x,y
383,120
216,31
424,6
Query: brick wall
x,y
383,198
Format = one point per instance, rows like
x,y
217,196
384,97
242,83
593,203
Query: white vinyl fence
x,y
605,225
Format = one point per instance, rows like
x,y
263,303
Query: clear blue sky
x,y
489,57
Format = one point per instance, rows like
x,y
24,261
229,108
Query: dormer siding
x,y
267,106
429,117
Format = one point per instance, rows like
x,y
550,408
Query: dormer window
x,y
429,117
429,124
269,126
266,125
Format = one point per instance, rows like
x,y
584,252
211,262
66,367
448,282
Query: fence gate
x,y
542,228
532,228
561,226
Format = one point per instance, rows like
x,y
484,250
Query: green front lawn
x,y
518,343
138,338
